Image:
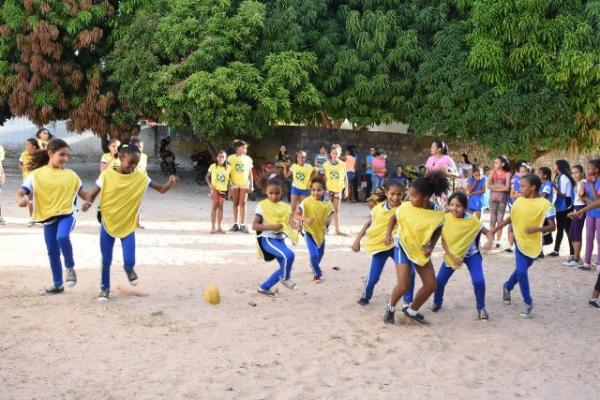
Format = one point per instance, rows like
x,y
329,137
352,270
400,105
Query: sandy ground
x,y
161,340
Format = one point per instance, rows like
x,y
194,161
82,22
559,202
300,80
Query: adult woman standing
x,y
499,185
439,160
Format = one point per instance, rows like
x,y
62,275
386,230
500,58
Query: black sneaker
x,y
483,315
132,276
54,289
553,254
506,295
541,255
244,229
103,296
508,250
71,277
267,292
594,303
234,228
362,301
418,317
434,307
389,318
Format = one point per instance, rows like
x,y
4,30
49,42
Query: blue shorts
x,y
403,258
299,192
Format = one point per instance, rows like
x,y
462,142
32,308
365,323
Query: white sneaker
x,y
289,284
30,223
2,221
569,259
572,264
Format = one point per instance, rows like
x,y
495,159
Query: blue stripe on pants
x,y
520,275
475,266
107,243
377,263
284,256
57,237
316,254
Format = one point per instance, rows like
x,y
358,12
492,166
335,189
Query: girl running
x,y
460,239
241,184
53,190
111,159
272,223
527,216
336,181
564,185
575,233
121,193
301,173
419,228
499,185
476,188
217,179
315,214
32,147
43,136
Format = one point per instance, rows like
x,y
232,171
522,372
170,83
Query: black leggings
x,y
563,224
597,286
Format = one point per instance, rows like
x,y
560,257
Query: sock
x,y
411,312
391,308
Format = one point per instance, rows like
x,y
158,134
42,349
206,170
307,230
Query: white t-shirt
x,y
578,200
565,186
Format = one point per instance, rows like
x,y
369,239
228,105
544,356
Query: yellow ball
x,y
211,294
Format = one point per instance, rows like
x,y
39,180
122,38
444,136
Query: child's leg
x,y
403,284
427,274
235,199
336,213
284,256
128,244
560,227
53,253
475,266
443,276
294,203
493,214
377,263
523,263
500,218
409,296
30,208
107,243
315,255
213,213
242,208
590,232
65,226
220,212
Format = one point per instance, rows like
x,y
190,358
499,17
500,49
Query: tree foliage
x,y
519,76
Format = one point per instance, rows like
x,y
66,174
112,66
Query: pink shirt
x,y
442,163
378,166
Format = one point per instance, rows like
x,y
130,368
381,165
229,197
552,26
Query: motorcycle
x,y
168,166
201,161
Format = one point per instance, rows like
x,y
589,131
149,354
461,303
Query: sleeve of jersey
x,y
551,213
149,181
27,184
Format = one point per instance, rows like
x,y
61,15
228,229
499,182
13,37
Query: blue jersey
x,y
564,195
595,212
547,190
476,200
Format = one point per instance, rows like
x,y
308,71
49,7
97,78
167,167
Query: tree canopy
x,y
519,76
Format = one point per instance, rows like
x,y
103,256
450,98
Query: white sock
x,y
391,308
411,312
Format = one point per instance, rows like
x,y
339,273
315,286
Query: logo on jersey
x,y
335,175
239,167
220,178
300,176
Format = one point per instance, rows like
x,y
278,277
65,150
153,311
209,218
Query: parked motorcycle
x,y
168,166
201,161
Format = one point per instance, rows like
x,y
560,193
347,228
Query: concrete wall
x,y
85,146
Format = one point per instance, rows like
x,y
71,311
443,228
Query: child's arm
x,y
286,170
482,190
299,217
551,227
346,192
165,187
590,206
251,180
361,234
258,226
209,181
490,239
22,198
428,248
91,196
390,229
502,224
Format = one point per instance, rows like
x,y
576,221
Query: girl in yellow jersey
x,y
527,216
217,179
315,215
301,174
336,181
121,193
32,147
240,178
272,223
460,239
419,228
54,191
375,230
111,159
